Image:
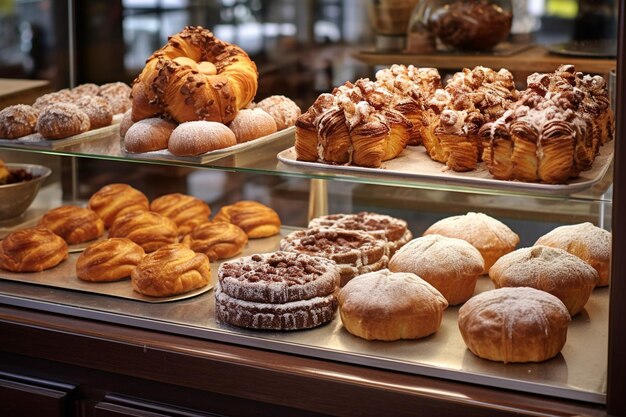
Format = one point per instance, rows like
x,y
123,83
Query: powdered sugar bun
x,y
148,135
250,124
198,137
62,120
385,305
514,325
284,110
126,123
548,269
118,95
97,109
450,265
491,237
590,243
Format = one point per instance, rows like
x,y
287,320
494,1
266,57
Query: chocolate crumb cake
x,y
277,291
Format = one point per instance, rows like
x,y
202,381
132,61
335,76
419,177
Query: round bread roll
x,y
114,200
61,120
148,135
217,240
74,224
491,237
97,109
186,211
17,121
450,265
590,243
256,219
32,250
171,270
385,305
552,270
284,110
148,229
126,123
196,138
109,260
250,124
518,324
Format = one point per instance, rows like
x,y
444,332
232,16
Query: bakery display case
x,y
74,347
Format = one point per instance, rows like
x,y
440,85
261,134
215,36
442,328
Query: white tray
x,y
414,163
36,140
166,155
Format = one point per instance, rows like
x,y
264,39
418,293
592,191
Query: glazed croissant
x,y
256,219
148,229
195,76
74,224
185,210
218,240
109,260
32,250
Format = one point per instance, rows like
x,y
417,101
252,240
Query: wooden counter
x,y
17,91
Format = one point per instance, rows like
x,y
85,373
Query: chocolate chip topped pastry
x,y
171,270
217,240
114,200
74,224
254,218
148,229
186,211
380,226
32,250
109,260
355,252
278,291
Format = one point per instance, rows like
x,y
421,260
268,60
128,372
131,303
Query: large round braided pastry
x,y
195,76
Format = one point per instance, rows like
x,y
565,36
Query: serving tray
x,y
165,155
414,163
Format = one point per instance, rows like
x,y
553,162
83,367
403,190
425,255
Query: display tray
x,y
414,163
578,372
165,155
502,49
37,141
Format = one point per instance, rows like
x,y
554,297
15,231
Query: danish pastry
x,y
254,218
109,260
186,211
114,200
74,224
148,229
32,250
217,240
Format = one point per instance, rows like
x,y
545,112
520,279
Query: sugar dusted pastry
x,y
256,219
450,265
250,124
148,229
114,200
148,135
217,240
62,120
491,237
32,250
590,243
109,260
553,270
514,325
171,270
386,305
186,211
284,110
17,121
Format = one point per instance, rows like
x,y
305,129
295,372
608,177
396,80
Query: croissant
x,y
74,224
173,269
114,200
217,240
186,211
148,229
109,260
195,76
256,219
32,250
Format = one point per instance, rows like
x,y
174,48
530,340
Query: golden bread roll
x,y
386,305
74,224
514,325
185,210
109,260
491,237
196,138
114,200
450,265
250,124
256,219
195,76
148,229
217,240
148,135
590,243
32,250
552,270
172,269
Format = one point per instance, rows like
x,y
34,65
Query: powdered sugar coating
x,y
250,124
61,120
296,315
518,324
148,135
118,95
596,241
17,121
284,110
278,277
97,108
198,137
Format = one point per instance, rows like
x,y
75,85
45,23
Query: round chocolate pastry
x,y
518,324
355,252
17,121
278,291
380,226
